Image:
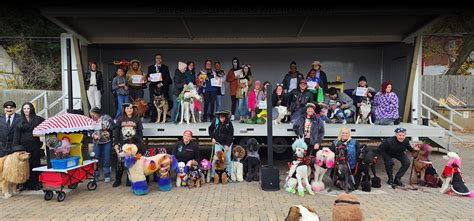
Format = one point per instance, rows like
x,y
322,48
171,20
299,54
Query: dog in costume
x,y
323,161
299,170
187,98
422,170
14,170
181,174
139,167
195,175
205,166
220,175
237,173
452,177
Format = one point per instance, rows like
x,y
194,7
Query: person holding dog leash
x,y
310,127
394,147
221,132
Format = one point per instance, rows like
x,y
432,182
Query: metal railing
x,y
45,112
450,120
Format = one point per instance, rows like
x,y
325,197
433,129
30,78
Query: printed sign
x,y
262,104
137,79
155,77
311,85
361,91
216,82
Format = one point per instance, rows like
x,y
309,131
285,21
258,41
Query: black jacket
x,y
283,101
165,72
222,133
324,80
179,82
99,79
24,134
390,147
298,99
185,153
7,134
317,129
118,137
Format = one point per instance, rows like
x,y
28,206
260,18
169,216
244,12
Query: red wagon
x,y
55,180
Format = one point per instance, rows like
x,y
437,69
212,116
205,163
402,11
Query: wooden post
x,y
411,79
80,73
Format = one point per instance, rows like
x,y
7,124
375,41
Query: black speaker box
x,y
270,180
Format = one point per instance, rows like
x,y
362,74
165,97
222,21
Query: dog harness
x,y
346,201
220,172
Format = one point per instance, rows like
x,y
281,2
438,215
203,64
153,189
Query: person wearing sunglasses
x,y
394,148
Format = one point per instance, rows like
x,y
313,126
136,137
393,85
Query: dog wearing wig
x,y
237,173
347,207
365,112
453,181
422,170
205,166
195,175
299,170
323,161
139,167
220,175
181,174
187,98
366,159
301,213
14,170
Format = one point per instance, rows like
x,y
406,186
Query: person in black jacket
x,y
316,65
297,100
186,149
310,127
130,119
8,122
394,147
165,84
177,88
292,78
24,137
94,85
221,132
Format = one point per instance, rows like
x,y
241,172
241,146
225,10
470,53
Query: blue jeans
x,y
227,158
243,107
120,100
219,102
174,110
103,150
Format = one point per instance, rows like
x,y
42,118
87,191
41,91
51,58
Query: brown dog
x,y
220,174
299,212
347,207
195,175
14,170
161,105
142,106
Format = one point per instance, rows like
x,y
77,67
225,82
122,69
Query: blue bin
x,y
65,163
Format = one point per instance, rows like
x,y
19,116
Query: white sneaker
x,y
232,118
107,180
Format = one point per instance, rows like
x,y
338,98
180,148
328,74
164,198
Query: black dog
x,y
252,162
365,160
342,176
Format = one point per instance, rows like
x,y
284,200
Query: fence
x,y
20,96
440,86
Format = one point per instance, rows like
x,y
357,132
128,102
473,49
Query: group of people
x,y
246,93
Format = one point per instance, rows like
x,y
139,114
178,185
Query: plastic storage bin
x,y
66,163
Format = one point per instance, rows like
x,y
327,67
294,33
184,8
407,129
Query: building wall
x,y
271,63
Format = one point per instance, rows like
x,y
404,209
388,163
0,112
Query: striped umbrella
x,y
65,123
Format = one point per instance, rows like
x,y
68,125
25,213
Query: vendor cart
x,y
55,180
72,170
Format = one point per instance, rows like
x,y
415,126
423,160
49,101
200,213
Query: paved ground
x,y
243,201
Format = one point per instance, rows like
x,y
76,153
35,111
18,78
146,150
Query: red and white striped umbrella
x,y
65,123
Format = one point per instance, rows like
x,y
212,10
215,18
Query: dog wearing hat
x,y
14,170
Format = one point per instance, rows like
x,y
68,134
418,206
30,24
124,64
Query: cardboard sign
x,y
361,91
262,104
216,82
137,79
155,77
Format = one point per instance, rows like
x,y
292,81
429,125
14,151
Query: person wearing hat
x,y
102,139
221,132
394,148
8,122
130,119
186,149
316,65
94,85
176,89
363,84
298,99
346,104
24,137
135,89
292,78
310,127
163,85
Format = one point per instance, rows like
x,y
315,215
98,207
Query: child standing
x,y
119,85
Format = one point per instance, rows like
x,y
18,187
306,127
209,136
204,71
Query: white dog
x,y
181,174
324,161
282,112
299,171
365,112
187,103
